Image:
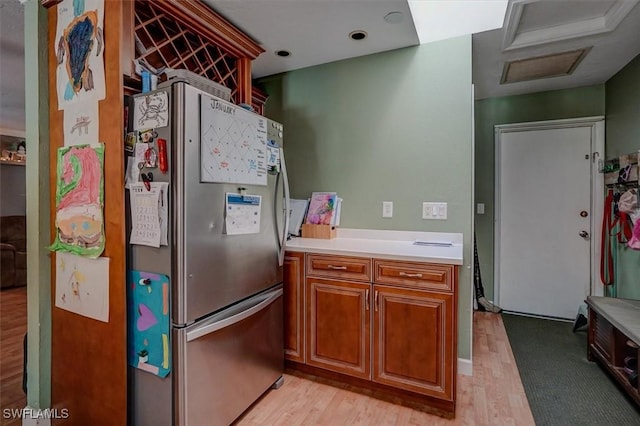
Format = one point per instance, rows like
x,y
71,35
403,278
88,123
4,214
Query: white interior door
x,y
543,197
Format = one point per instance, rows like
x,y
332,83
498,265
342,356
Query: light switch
x,y
480,208
442,211
387,209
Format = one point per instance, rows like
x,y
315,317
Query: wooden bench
x,y
614,338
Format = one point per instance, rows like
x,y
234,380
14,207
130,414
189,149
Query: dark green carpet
x,y
562,387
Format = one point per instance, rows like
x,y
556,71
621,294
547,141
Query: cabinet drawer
x,y
415,274
354,268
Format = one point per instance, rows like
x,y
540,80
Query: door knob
x,y
584,234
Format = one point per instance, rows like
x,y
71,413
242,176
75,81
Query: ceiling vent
x,y
555,65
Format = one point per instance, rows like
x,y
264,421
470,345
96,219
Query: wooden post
x,y
89,357
243,66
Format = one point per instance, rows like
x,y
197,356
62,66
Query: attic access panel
x,y
554,65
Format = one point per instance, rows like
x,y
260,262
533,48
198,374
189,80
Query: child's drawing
x,y
81,123
151,111
79,200
79,51
82,285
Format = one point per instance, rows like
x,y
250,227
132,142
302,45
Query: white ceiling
x,y
316,31
11,65
537,28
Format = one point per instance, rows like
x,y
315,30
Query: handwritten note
x,y
148,210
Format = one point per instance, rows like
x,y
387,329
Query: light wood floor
x,y
493,396
13,326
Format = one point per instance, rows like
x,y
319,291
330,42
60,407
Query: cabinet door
x,y
338,321
414,340
294,306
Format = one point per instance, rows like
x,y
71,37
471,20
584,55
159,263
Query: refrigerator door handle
x,y
262,302
287,208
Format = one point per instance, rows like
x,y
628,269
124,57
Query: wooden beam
x,y
49,3
243,68
259,98
89,357
127,50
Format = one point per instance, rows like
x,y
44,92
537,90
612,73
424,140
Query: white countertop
x,y
397,245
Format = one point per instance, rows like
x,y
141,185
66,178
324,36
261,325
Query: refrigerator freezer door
x,y
227,361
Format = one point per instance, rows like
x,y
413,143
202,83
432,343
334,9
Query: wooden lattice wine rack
x,y
189,35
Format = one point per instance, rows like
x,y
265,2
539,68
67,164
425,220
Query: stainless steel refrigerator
x,y
226,290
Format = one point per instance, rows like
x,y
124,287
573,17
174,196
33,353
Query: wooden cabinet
x,y
294,306
415,333
413,344
338,317
391,324
338,332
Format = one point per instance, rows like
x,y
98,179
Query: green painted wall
x,y
394,126
623,137
552,105
37,171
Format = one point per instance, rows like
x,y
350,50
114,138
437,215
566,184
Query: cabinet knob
x,y
408,275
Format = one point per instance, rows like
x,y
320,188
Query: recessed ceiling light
x,y
283,53
358,35
393,17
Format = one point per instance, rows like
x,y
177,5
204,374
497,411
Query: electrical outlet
x,y
434,210
387,209
427,210
480,208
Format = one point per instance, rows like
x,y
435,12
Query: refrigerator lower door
x,y
229,360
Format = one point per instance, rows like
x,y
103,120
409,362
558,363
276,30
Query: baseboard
x,y
42,417
465,366
546,317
